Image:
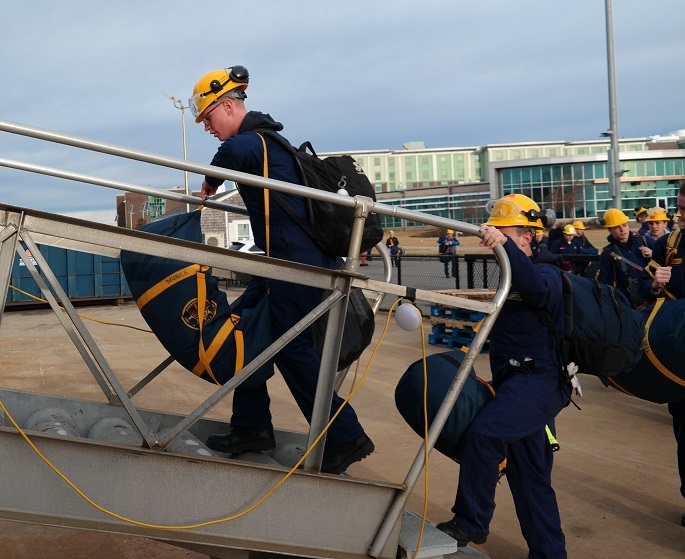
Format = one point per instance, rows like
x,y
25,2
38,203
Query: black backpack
x,y
330,225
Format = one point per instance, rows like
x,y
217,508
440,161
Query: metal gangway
x,y
337,516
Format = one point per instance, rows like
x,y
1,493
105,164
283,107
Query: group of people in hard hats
x,y
525,363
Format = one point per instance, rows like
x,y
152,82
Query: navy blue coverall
x,y
512,426
616,273
676,286
298,362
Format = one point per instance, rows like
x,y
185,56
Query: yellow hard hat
x,y
579,225
656,214
450,231
517,210
569,229
614,217
640,210
392,232
214,84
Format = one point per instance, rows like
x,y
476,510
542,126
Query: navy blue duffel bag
x,y
659,375
441,370
172,295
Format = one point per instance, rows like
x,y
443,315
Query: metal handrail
x,y
362,206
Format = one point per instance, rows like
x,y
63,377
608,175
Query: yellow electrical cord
x,y
82,315
275,487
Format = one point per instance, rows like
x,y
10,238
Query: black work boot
x,y
452,529
242,439
337,458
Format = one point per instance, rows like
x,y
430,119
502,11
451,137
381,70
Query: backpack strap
x,y
267,211
275,195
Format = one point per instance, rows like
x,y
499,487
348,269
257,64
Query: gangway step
x,y
435,544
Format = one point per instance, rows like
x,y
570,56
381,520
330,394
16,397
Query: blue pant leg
x,y
677,410
529,473
299,362
523,405
251,405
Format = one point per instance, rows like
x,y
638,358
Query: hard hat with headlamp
x,y
213,85
614,217
517,210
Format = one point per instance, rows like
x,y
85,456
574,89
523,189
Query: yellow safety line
x,y
83,315
650,353
264,497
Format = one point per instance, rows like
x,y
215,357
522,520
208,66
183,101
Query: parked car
x,y
246,246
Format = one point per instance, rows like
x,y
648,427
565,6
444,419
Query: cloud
x,y
357,75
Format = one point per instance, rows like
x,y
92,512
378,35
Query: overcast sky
x,y
345,75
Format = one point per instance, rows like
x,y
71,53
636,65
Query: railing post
x,y
469,272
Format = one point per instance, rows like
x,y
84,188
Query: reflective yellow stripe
x,y
550,437
166,283
648,349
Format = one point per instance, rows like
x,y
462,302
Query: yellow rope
x,y
83,315
265,496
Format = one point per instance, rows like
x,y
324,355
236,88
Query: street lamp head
x,y
177,102
607,134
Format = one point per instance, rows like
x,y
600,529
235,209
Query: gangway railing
x,y
32,227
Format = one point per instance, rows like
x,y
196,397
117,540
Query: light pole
x,y
179,105
612,157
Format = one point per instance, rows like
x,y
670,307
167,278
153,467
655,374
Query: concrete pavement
x,y
615,475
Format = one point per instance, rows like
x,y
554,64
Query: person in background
x,y
624,245
396,252
657,221
586,247
570,244
390,240
447,248
531,391
539,241
669,277
218,102
641,217
584,241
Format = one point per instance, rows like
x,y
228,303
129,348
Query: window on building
x,y
377,161
376,176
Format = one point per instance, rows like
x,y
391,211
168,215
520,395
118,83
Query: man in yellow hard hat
x,y
447,248
569,245
665,277
657,221
218,101
526,372
640,218
623,259
391,240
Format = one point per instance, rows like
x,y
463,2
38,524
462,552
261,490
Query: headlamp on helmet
x,y
517,210
216,84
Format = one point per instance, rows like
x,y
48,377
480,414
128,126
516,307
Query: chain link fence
x,y
468,271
